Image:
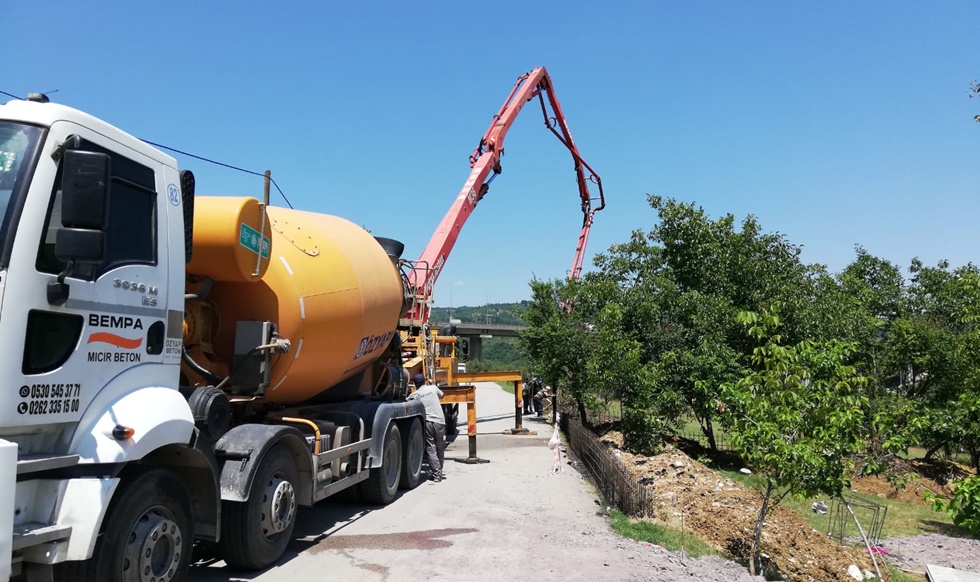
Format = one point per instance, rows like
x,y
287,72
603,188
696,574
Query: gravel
x,y
914,553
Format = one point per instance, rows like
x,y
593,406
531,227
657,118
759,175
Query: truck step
x,y
33,534
37,463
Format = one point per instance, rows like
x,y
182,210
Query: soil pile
x,y
909,480
692,497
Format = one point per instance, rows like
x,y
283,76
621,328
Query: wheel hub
x,y
153,549
279,506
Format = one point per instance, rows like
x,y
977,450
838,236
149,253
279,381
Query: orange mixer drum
x,y
327,285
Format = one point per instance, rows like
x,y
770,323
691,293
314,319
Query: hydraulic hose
x,y
199,369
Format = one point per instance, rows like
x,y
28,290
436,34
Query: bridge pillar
x,y
476,348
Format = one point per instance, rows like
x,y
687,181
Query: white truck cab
x,y
110,467
92,321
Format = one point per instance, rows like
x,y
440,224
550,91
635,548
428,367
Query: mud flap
x,y
241,449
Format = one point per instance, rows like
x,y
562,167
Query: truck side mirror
x,y
84,214
84,207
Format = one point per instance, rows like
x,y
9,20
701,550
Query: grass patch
x,y
661,535
896,575
612,408
688,427
902,519
920,453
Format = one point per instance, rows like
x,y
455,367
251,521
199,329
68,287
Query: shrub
x,y
964,506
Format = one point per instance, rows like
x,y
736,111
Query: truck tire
x,y
382,483
451,412
255,533
146,535
414,447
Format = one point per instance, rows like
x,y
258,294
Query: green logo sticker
x,y
249,238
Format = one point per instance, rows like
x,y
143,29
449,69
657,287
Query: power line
x,y
196,157
222,164
23,99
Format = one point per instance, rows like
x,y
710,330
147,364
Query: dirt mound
x,y
911,491
909,480
941,472
693,497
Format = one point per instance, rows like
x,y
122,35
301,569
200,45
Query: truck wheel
x,y
254,533
451,412
146,536
414,446
382,483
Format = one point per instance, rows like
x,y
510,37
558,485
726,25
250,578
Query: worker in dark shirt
x,y
536,398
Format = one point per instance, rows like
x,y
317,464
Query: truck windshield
x,y
18,147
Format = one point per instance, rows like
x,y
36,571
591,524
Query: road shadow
x,y
313,526
947,529
493,418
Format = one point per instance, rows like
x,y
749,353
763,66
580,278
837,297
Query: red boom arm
x,y
485,164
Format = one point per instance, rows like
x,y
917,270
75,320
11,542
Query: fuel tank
x,y
326,283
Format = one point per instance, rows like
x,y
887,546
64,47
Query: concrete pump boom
x,y
485,164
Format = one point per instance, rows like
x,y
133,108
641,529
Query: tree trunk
x,y
583,413
755,549
708,430
554,405
934,449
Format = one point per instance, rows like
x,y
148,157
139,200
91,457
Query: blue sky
x,y
834,123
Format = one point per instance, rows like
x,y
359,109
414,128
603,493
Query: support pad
x,y
470,460
519,432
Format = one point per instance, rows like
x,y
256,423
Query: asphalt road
x,y
509,518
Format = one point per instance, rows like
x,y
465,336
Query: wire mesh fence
x,y
722,442
607,472
867,512
635,497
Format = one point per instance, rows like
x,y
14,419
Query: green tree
x,y
965,427
932,354
797,418
871,298
577,339
555,343
964,505
682,284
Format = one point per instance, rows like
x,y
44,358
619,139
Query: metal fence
x,y
721,440
871,514
606,470
618,487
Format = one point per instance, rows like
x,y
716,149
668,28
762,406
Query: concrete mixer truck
x,y
182,368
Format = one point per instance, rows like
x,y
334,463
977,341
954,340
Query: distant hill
x,y
499,313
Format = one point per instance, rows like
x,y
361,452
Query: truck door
x,y
114,320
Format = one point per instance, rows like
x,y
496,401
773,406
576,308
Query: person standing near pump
x,y
526,396
435,425
538,398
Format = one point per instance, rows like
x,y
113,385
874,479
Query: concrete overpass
x,y
475,333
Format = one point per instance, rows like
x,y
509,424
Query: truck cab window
x,y
132,226
18,146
